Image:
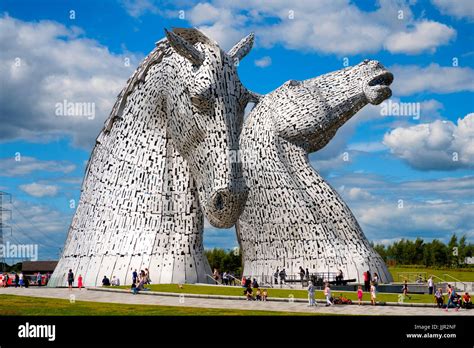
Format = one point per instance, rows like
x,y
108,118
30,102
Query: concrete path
x,y
128,298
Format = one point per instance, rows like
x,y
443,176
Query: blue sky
x,y
405,177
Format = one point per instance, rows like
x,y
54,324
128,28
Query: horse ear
x,y
184,48
242,48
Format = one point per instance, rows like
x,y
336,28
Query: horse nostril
x,y
219,204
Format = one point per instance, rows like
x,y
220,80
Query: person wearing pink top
x,y
360,293
79,282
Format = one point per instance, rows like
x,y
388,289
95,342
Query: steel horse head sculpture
x,y
293,218
163,157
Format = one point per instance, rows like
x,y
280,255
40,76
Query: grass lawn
x,y
281,293
24,305
463,274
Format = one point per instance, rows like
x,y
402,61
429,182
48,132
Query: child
x,y
133,288
360,293
405,290
372,293
259,296
79,282
265,295
327,293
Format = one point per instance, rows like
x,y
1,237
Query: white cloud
x,y
416,218
328,26
40,190
27,165
411,79
373,146
204,13
358,193
430,208
457,8
440,145
44,63
137,8
263,62
425,36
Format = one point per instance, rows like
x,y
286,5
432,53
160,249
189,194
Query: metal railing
x,y
456,281
216,281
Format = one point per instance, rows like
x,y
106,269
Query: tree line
x,y
430,254
404,252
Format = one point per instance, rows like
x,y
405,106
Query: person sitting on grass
x,y
258,295
248,293
466,301
105,281
439,298
264,295
134,289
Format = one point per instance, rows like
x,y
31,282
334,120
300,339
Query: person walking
x,y
311,289
17,280
147,276
70,279
282,276
430,285
451,298
302,273
372,293
360,294
134,276
307,274
276,274
405,289
327,293
38,279
22,280
79,282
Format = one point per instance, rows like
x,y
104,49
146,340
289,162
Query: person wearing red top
x,y
366,281
79,282
466,301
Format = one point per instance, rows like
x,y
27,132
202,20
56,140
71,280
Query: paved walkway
x,y
112,297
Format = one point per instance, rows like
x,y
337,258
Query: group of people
x,y
139,280
21,280
281,274
329,298
370,280
455,300
226,278
71,278
252,285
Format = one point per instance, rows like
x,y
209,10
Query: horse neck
x,y
137,156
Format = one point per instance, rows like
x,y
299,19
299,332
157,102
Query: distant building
x,y
32,267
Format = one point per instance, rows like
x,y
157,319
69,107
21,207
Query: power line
x,y
17,227
34,227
